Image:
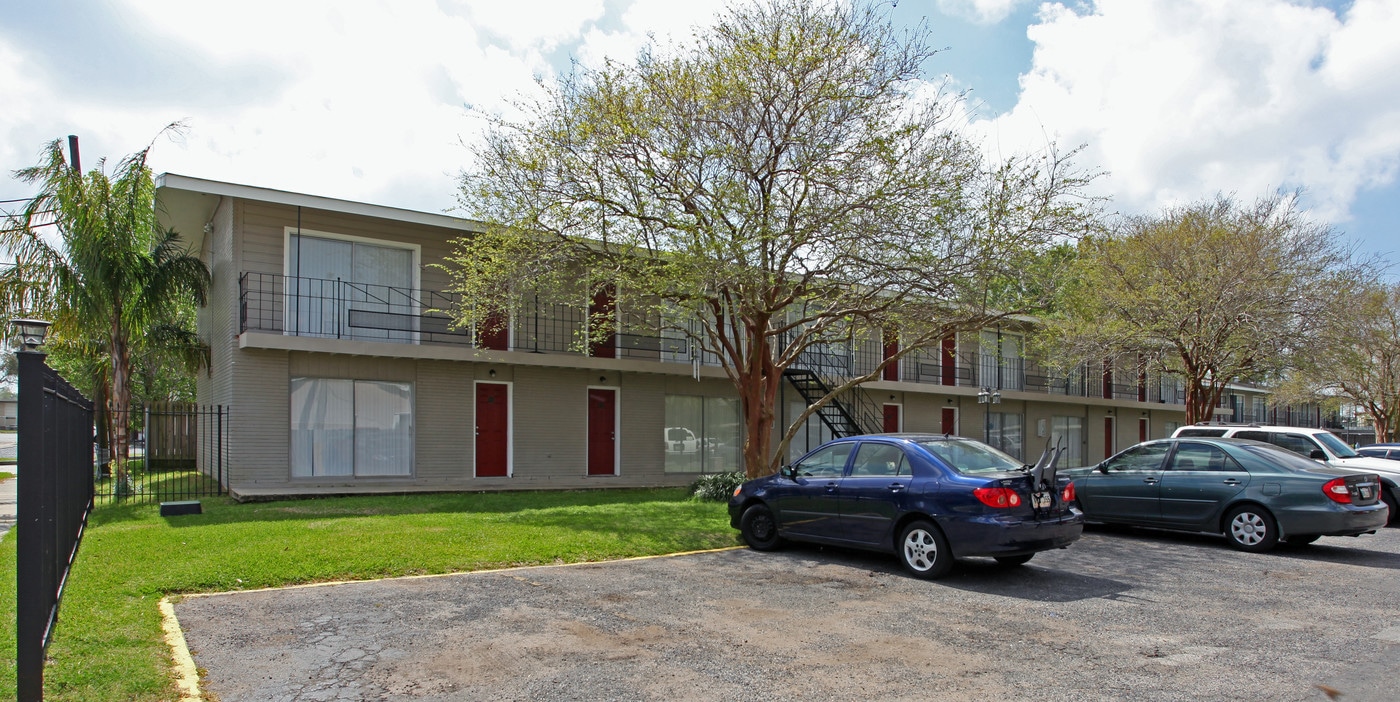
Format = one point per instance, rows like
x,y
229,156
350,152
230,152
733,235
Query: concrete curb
x,y
186,674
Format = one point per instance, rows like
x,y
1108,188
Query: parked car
x,y
1253,492
1387,451
1317,444
928,498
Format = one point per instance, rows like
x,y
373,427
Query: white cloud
x,y
1179,99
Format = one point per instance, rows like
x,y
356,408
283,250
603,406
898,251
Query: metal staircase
x,y
851,413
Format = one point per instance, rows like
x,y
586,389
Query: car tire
x,y
1015,560
1388,496
759,529
1302,540
924,551
1251,528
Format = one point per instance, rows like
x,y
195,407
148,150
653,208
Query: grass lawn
x,y
109,645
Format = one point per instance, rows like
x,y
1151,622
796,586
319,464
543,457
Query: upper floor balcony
x,y
353,311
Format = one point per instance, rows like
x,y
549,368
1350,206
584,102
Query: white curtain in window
x,y
323,427
347,427
383,428
1069,432
335,276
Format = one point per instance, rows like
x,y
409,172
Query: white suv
x,y
1318,444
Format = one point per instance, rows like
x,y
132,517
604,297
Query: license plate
x,y
1040,500
1365,492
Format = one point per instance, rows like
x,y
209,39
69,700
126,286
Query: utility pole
x,y
73,154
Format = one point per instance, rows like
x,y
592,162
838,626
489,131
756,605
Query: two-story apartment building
x,y
343,374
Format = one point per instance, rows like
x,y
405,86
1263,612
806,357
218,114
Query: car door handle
x,y
831,487
1231,481
1150,481
896,487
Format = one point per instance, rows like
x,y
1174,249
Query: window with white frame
x,y
1004,432
1001,364
1068,431
350,288
702,434
359,428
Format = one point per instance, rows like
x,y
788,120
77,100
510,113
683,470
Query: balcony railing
x,y
337,309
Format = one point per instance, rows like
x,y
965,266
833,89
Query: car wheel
x,y
1388,496
1251,528
1303,540
1015,560
924,551
759,529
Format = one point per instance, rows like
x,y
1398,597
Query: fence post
x,y
34,526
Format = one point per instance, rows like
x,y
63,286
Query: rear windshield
x,y
1278,456
971,457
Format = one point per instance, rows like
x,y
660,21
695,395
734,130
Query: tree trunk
x,y
758,382
121,404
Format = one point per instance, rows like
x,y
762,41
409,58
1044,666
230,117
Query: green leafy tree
x,y
1361,365
784,182
91,256
1213,292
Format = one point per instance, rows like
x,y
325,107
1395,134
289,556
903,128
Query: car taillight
x,y
1336,490
1067,494
999,497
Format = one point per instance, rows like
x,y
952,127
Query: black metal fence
x,y
55,497
174,451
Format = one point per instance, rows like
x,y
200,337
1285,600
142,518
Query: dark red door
x,y
494,333
602,342
1107,436
1107,380
492,429
891,418
602,431
1142,429
950,421
949,359
891,371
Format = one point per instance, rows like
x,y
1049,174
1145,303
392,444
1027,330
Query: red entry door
x,y
604,306
950,421
602,431
493,333
492,429
1107,437
1142,429
891,372
891,418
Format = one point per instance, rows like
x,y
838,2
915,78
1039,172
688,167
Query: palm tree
x,y
91,256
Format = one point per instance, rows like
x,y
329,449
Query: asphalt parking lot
x,y
1122,614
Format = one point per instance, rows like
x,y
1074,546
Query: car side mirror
x,y
1102,468
1317,455
789,472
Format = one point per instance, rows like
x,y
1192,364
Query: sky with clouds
x,y
378,101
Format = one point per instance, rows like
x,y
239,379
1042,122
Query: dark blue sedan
x,y
927,498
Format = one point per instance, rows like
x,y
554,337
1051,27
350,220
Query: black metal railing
x,y
339,309
175,451
55,497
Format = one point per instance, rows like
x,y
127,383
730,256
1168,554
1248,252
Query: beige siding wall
x,y
549,404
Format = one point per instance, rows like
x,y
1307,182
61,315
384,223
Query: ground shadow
x,y
982,575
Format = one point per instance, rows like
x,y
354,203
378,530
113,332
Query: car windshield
x,y
1335,445
971,457
1278,456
